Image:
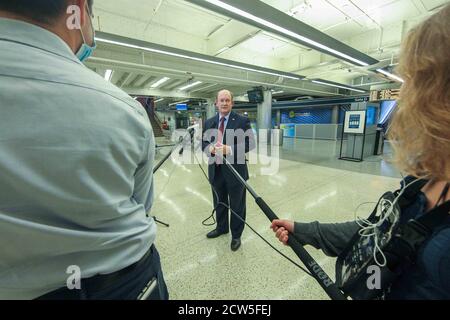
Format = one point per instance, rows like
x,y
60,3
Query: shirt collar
x,y
32,35
226,117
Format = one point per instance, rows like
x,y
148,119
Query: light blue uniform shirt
x,y
76,159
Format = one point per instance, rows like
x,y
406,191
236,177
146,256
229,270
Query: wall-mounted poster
x,y
288,129
355,122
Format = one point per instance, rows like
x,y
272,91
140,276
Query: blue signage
x,y
354,121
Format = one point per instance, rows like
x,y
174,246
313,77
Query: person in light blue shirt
x,y
76,161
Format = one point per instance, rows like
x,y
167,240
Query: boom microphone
x,y
191,131
313,267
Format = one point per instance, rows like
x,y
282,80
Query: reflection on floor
x,y
326,153
316,186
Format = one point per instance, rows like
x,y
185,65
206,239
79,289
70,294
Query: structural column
x,y
264,116
335,115
278,118
210,108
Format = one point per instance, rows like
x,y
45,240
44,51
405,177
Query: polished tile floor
x,y
326,153
311,184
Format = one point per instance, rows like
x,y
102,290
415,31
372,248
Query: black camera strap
x,y
412,235
416,231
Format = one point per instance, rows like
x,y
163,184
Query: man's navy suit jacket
x,y
241,141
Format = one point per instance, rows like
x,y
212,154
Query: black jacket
x,y
241,141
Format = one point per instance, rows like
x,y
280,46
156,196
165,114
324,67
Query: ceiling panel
x,y
173,15
134,80
171,84
124,79
141,9
321,15
188,19
116,76
180,24
262,43
395,12
369,5
344,31
145,82
432,4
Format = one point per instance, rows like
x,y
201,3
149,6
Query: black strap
x,y
414,233
435,216
411,192
443,194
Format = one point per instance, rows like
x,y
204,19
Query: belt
x,y
102,281
98,282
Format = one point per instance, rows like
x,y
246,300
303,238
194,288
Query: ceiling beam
x,y
266,17
160,93
208,75
143,46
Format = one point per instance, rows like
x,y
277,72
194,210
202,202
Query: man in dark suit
x,y
228,135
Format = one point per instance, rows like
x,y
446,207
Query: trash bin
x,y
277,137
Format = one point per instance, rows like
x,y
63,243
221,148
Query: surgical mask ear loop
x,y
86,50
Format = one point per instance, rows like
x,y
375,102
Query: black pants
x,y
125,284
234,196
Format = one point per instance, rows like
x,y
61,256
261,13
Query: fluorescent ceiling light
x,y
190,85
159,82
277,92
204,88
284,31
159,100
174,103
222,50
390,75
369,84
337,86
108,75
194,58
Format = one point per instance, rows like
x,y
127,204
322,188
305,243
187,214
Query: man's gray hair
x,y
228,91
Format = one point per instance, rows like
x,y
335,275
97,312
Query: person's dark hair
x,y
40,11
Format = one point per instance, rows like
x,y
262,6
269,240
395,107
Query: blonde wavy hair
x,y
420,129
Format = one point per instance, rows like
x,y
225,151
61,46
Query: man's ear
x,y
76,14
82,4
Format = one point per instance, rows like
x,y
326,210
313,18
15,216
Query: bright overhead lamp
x,y
222,50
204,88
159,82
277,92
390,75
108,75
178,102
336,85
190,85
241,10
159,100
192,56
